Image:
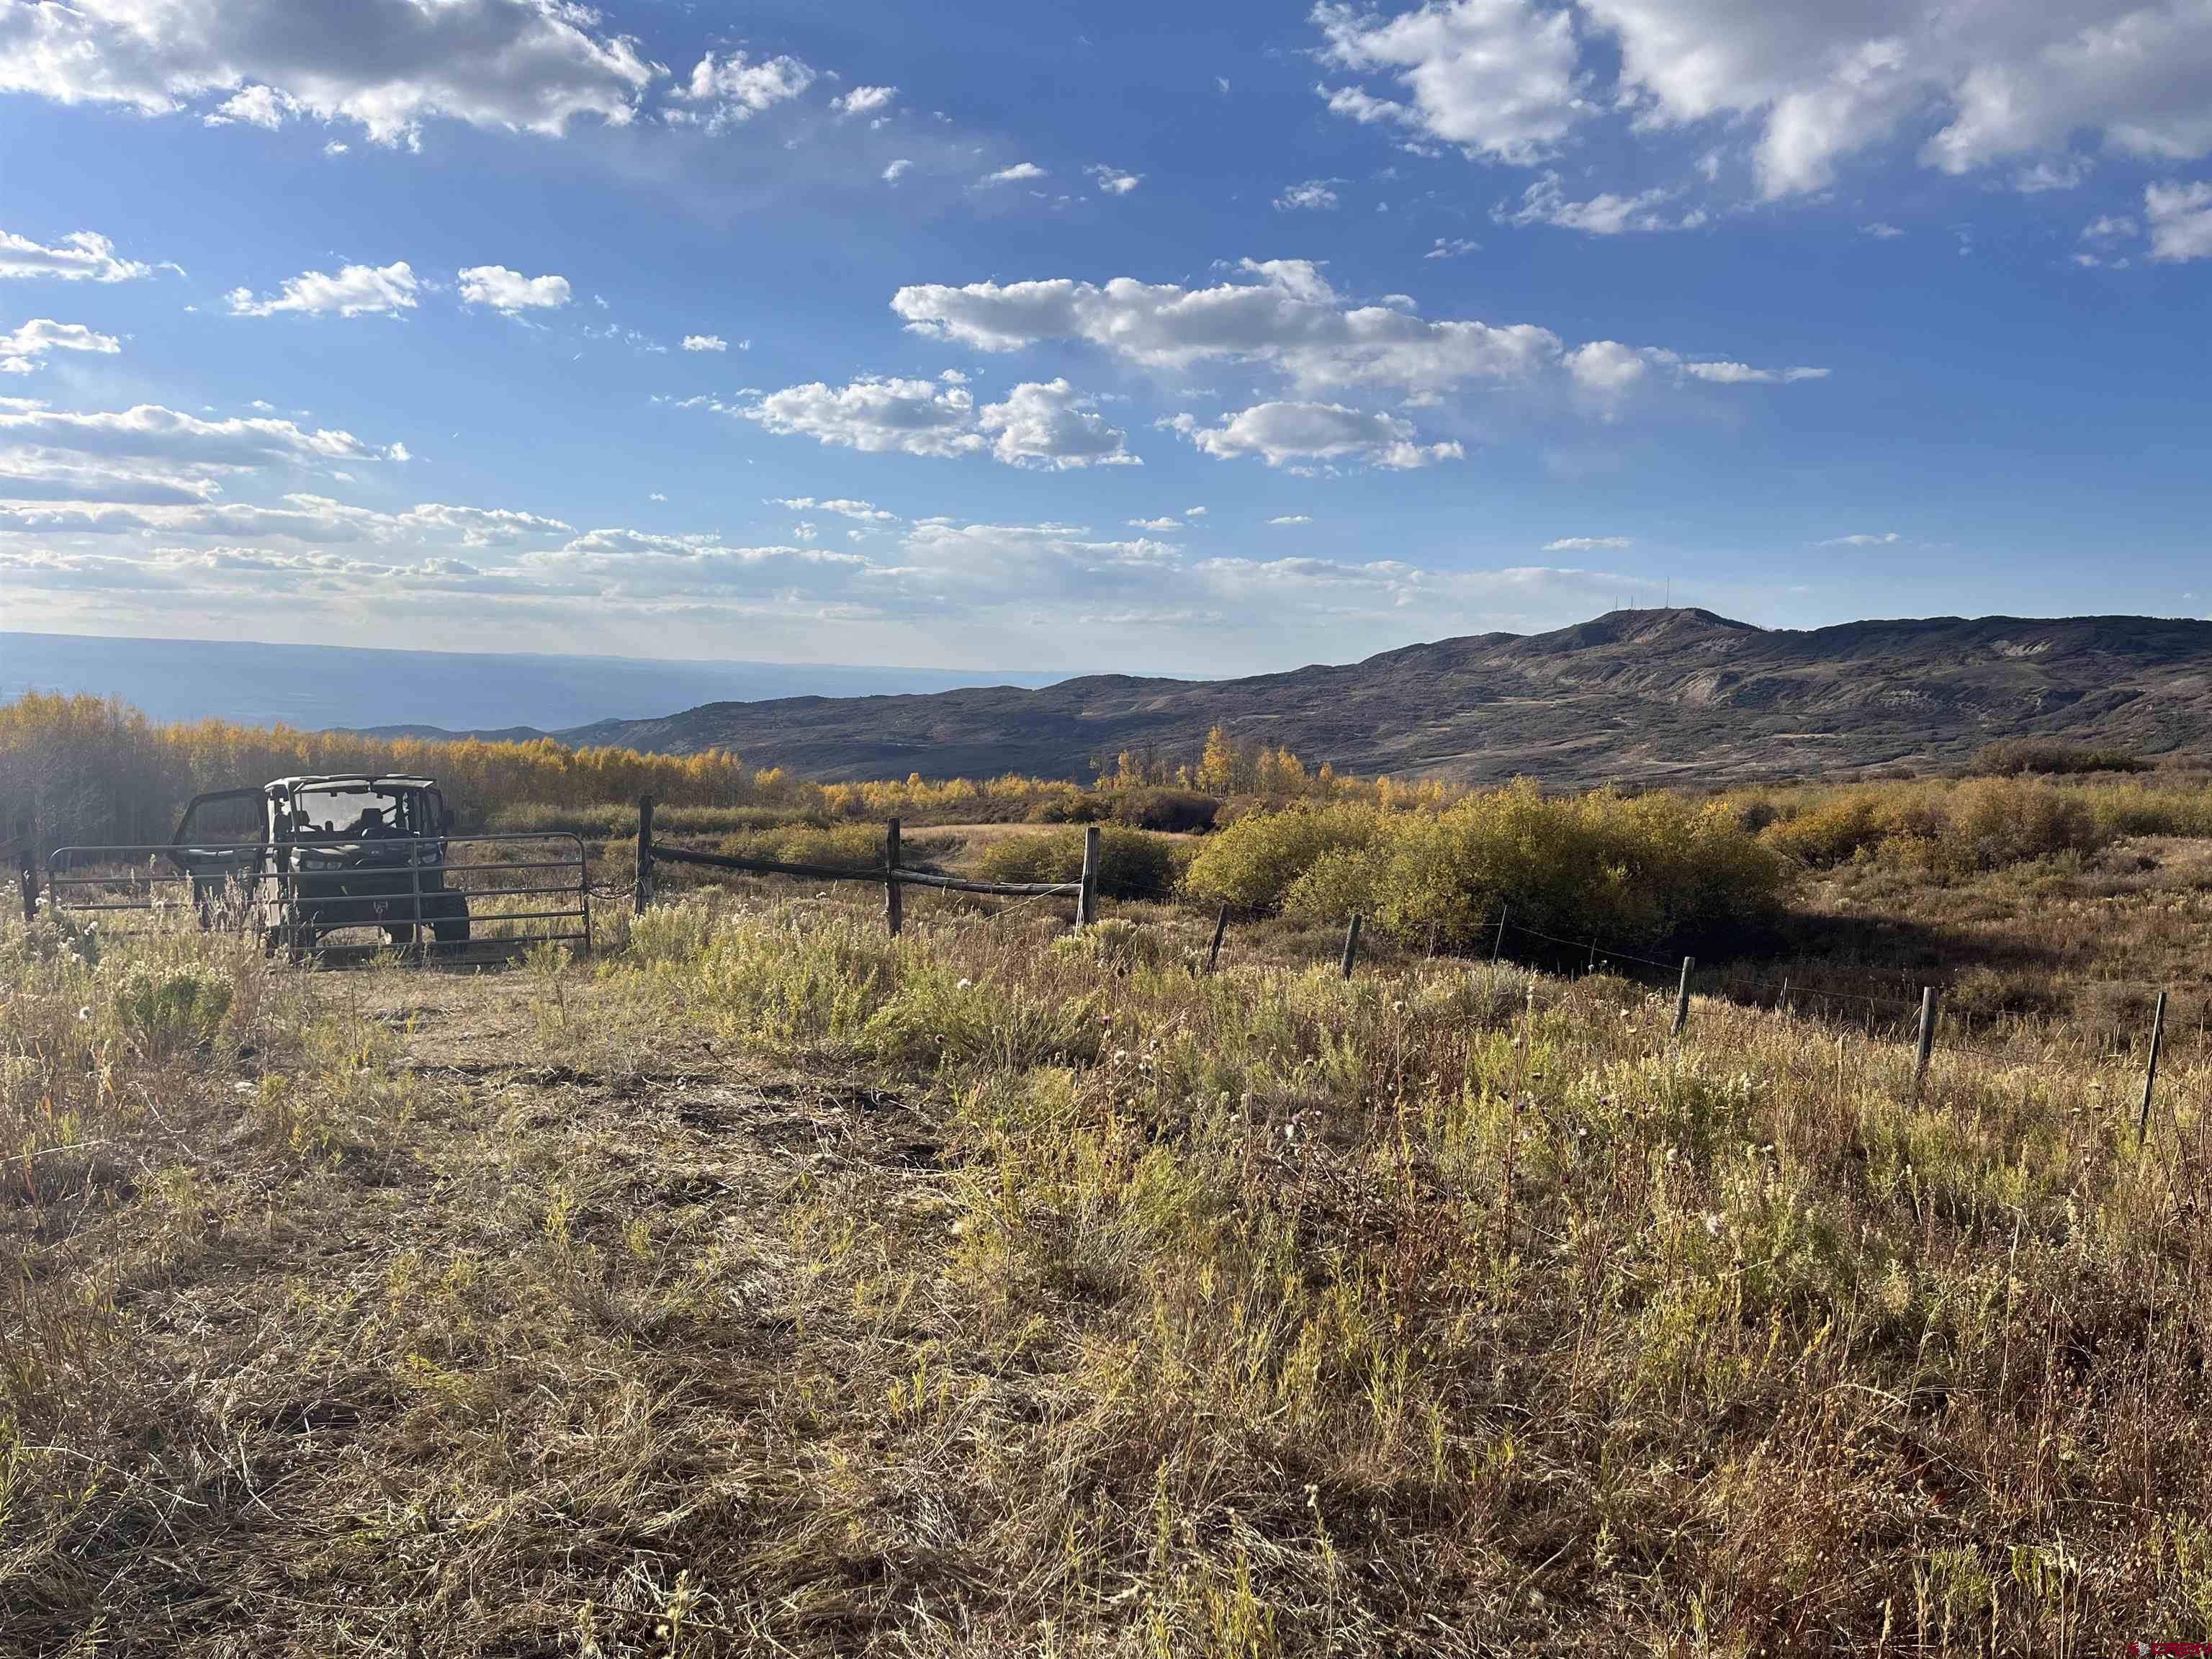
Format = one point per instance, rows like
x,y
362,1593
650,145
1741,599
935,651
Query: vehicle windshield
x,y
353,813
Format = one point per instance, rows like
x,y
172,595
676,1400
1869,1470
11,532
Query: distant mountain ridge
x,y
327,687
1635,696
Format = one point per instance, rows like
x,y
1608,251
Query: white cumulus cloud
x,y
876,414
356,291
1046,424
385,65
256,106
511,291
866,512
1807,83
1049,424
1283,433
1497,78
1546,202
864,101
2179,219
1291,320
1020,174
705,342
80,256
731,90
22,349
151,458
1314,196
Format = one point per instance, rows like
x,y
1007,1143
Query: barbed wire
x,y
1500,926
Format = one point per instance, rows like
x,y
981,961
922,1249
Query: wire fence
x,y
131,879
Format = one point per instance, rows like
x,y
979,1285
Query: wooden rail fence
x,y
895,877
892,874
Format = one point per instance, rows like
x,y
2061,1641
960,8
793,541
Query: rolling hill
x,y
1634,696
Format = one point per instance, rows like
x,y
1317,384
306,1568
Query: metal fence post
x,y
1682,998
1927,1039
1351,945
583,891
1220,933
415,890
643,896
894,895
1086,898
1498,946
27,869
2150,1075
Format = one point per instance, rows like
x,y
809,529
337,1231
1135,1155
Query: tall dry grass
x,y
772,1286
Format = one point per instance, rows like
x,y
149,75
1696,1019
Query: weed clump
x,y
1115,943
164,1009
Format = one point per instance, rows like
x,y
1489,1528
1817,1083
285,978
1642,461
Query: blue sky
x,y
1170,338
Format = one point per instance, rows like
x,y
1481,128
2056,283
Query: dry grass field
x,y
766,1286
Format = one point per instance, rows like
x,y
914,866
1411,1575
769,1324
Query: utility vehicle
x,y
308,856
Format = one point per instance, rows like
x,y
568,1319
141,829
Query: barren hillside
x,y
1633,695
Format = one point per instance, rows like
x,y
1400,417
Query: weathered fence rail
x,y
891,875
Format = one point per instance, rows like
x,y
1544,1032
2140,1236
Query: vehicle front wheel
x,y
449,920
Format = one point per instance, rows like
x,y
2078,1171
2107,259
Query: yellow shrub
x,y
1625,871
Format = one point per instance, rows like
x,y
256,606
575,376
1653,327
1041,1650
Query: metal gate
x,y
450,896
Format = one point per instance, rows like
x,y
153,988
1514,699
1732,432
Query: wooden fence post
x,y
894,895
1351,945
1220,933
1087,899
2150,1075
1927,1039
1682,998
643,896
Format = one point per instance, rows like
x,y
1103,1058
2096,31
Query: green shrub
x,y
1342,881
2011,757
1114,943
937,1018
168,1010
616,820
1627,871
678,933
1995,821
1132,865
1984,824
1252,863
802,988
1177,811
834,846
